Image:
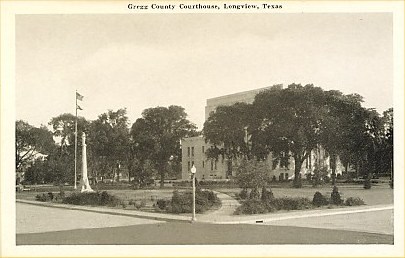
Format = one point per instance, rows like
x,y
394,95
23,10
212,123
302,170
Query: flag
x,y
78,107
79,97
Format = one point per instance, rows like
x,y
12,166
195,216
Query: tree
x,y
373,141
157,135
143,172
341,126
387,150
64,129
62,161
289,122
252,174
226,130
109,143
30,142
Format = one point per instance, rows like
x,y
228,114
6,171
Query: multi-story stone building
x,y
194,149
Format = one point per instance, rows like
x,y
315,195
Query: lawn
x,y
378,194
381,194
147,197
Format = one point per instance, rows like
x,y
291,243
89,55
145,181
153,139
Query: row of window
x,y
192,151
213,164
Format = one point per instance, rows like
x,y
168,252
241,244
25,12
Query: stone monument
x,y
85,180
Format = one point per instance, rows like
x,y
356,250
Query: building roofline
x,y
243,92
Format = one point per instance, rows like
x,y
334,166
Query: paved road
x,y
200,233
37,219
35,223
379,221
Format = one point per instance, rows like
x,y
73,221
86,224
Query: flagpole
x,y
75,187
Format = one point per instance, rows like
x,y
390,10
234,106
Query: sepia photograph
x,y
188,126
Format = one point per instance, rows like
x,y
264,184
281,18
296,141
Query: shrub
x,y
94,198
183,202
162,203
266,195
254,194
50,194
286,203
42,197
354,201
243,194
139,205
335,196
252,206
319,200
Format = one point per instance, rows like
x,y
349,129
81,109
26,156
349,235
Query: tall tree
x,y
387,152
227,129
290,121
109,142
64,129
157,135
341,126
31,141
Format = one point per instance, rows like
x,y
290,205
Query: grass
x,y
380,194
376,195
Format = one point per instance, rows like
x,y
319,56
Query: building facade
x,y
194,149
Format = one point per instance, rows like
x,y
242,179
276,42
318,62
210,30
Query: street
x,y
38,225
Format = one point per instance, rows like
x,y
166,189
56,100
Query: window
x,y
215,165
188,151
286,176
203,149
188,163
192,151
192,163
203,164
212,165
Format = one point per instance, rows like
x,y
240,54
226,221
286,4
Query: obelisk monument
x,y
85,180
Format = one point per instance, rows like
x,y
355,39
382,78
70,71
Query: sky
x,y
139,61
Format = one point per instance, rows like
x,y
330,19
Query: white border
x,y
8,11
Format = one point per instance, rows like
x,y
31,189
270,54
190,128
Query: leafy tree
x,y
31,141
157,135
252,174
289,122
372,142
109,143
142,171
341,126
226,130
62,161
387,145
64,129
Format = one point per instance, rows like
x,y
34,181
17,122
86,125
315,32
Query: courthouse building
x,y
194,149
